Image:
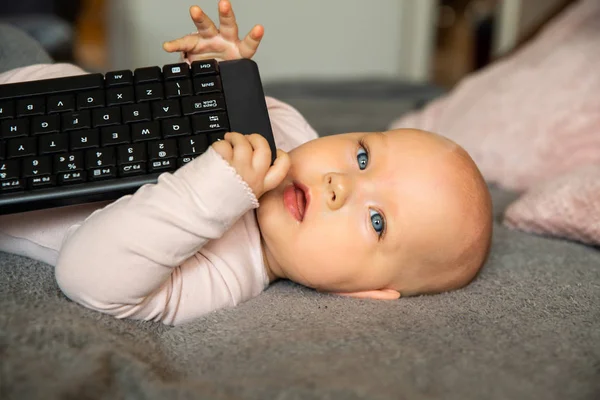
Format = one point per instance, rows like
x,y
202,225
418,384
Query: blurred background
x,y
433,41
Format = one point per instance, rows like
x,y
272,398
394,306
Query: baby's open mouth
x,y
295,200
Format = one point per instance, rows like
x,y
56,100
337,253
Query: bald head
x,y
451,237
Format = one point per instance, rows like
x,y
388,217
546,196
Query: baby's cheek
x,y
329,237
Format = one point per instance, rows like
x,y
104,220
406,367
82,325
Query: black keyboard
x,y
98,137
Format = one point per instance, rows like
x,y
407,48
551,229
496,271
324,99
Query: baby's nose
x,y
338,189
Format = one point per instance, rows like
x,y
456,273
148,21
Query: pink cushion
x,y
533,115
567,206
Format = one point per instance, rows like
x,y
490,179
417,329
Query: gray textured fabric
x,y
527,328
17,49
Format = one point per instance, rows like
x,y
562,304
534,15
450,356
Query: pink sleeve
x,y
40,71
138,257
290,129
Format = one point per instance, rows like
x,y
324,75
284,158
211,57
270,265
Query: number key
x,y
100,158
10,169
190,146
133,153
66,162
36,166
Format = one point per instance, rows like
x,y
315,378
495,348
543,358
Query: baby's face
x,y
361,212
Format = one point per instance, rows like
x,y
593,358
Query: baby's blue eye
x,y
377,221
362,157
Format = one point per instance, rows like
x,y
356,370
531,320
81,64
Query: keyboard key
x,y
14,128
21,147
10,176
166,109
132,159
66,162
136,113
192,145
2,150
106,116
178,88
207,84
162,149
176,71
197,104
41,181
145,131
117,78
132,153
76,120
147,74
13,184
150,91
132,169
204,67
53,143
61,103
67,178
167,164
176,127
90,99
84,139
101,173
45,124
181,161
210,122
28,107
10,169
7,109
114,135
100,158
37,166
120,95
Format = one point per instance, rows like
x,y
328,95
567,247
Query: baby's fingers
x,y
225,149
261,158
228,25
277,172
249,45
205,25
186,43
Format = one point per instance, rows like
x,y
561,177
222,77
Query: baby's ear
x,y
381,294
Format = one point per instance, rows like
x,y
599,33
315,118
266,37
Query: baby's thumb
x,y
277,172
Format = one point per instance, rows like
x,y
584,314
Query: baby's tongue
x,y
301,200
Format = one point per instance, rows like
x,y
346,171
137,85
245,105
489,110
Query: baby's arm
x,y
138,257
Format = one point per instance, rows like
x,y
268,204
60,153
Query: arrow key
x,y
37,166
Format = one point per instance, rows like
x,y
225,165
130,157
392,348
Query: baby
x,y
375,215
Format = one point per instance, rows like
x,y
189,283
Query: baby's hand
x,y
250,155
221,44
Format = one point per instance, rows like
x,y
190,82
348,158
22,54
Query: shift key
x,y
202,123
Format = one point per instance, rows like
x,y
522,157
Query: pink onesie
x,y
172,251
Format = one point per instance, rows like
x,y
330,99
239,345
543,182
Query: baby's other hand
x,y
221,44
250,155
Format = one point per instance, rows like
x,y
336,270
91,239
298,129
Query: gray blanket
x,y
527,328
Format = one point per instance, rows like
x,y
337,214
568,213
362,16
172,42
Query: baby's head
x,y
378,215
